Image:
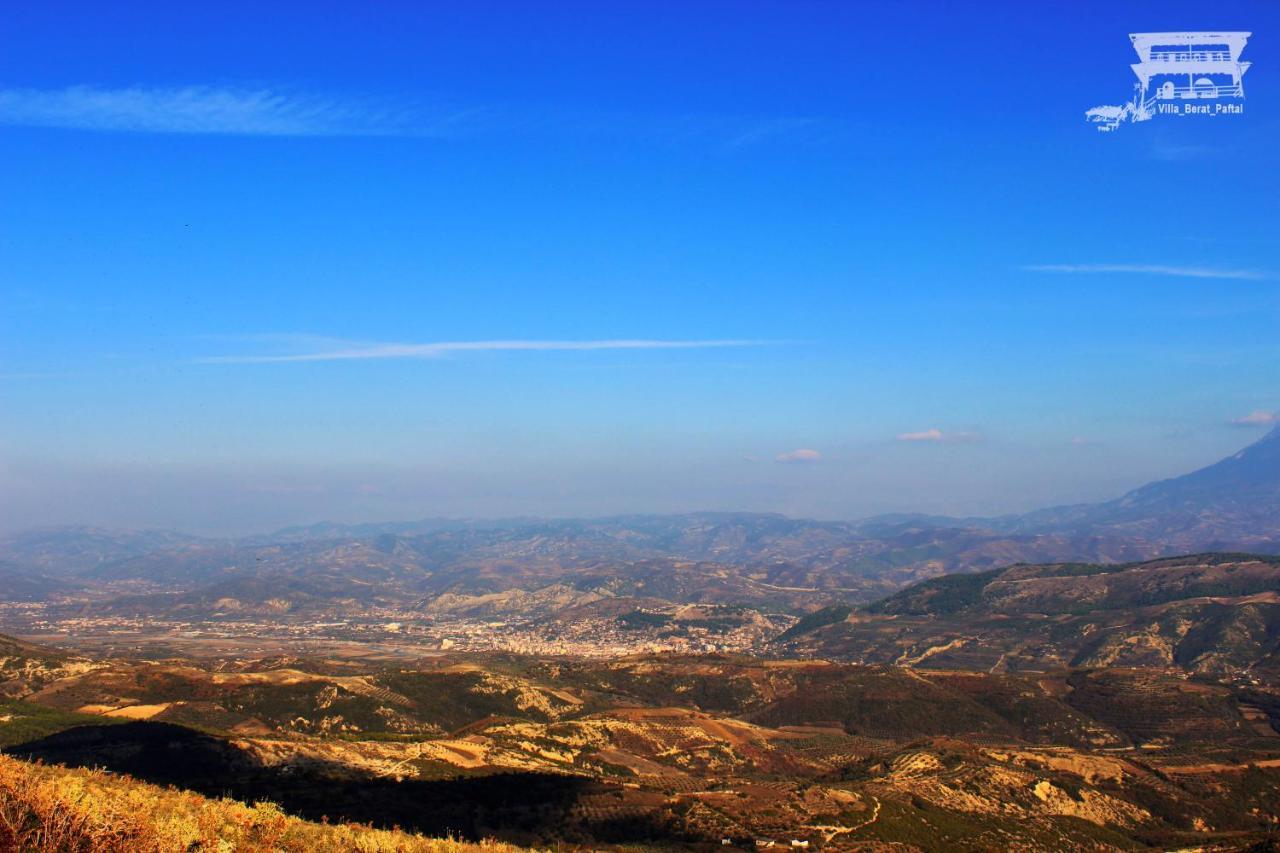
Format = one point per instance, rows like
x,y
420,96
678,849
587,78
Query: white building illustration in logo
x,y
1181,74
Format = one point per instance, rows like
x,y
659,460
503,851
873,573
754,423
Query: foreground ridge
x,y
48,808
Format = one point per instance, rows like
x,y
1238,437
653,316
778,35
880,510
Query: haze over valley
x,y
697,582
1065,679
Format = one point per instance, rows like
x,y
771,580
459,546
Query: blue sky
x,y
667,246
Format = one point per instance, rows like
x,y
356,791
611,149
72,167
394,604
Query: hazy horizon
x,y
292,519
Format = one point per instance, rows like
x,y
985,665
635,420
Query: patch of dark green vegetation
x,y
941,596
640,619
306,707
451,700
811,622
663,687
881,704
1146,708
25,721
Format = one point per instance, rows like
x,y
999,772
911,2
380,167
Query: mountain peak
x,y
1254,468
1232,504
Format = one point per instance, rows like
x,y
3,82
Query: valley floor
x,y
640,751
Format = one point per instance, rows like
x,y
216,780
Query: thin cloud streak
x,y
937,435
210,110
1149,269
435,350
922,435
282,113
802,455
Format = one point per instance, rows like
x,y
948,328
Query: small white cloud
x,y
1080,441
923,435
1258,418
937,435
1148,269
284,489
799,456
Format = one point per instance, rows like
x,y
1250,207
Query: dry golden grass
x,y
48,809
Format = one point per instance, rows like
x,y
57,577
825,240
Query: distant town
x,y
592,637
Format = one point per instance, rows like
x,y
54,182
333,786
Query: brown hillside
x,y
45,808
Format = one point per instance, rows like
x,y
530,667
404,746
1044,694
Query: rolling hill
x,y
647,749
1212,613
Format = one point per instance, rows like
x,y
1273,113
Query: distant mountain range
x,y
758,560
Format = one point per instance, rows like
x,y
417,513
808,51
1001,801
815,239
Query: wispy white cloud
x,y
1258,418
1148,269
938,435
434,350
922,435
210,110
799,456
267,111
